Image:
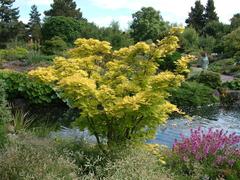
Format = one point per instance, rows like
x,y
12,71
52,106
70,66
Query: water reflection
x,y
208,117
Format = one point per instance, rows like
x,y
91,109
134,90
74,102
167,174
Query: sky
x,y
103,12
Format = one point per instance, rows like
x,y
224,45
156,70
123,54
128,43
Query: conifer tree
x,y
8,21
35,24
66,8
196,17
210,14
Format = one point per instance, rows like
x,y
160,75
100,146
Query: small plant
x,y
21,121
233,85
17,53
216,150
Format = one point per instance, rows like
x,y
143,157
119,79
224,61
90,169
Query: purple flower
x,y
214,146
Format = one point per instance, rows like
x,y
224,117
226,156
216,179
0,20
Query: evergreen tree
x,y
148,25
196,17
8,21
64,8
35,24
210,14
235,21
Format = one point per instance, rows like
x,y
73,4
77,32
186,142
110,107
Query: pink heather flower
x,y
216,146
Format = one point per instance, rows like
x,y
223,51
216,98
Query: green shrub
x,y
5,115
33,158
169,61
20,85
193,94
209,78
224,66
12,54
54,46
233,85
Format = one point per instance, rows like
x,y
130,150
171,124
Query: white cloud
x,y
171,10
106,20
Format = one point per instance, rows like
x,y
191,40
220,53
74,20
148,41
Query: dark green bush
x,y
233,85
20,85
67,28
12,54
168,63
54,46
193,94
210,79
5,115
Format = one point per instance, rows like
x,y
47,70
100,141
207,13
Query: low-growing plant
x,y
27,157
209,78
193,94
20,122
224,66
233,85
17,53
20,85
216,151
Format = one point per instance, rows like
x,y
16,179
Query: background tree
x,y
232,43
116,36
190,40
35,24
210,14
207,43
66,28
67,8
8,21
235,21
147,25
196,17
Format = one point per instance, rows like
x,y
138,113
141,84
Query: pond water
x,y
208,117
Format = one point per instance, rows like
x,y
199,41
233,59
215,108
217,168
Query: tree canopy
x,y
148,25
196,17
8,21
65,27
35,24
210,13
67,8
235,21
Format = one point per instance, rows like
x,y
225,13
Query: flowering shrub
x,y
218,151
217,145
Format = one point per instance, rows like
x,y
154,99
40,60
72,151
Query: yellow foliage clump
x,y
121,94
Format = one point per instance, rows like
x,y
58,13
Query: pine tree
x,y
8,21
64,8
196,17
210,14
35,24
